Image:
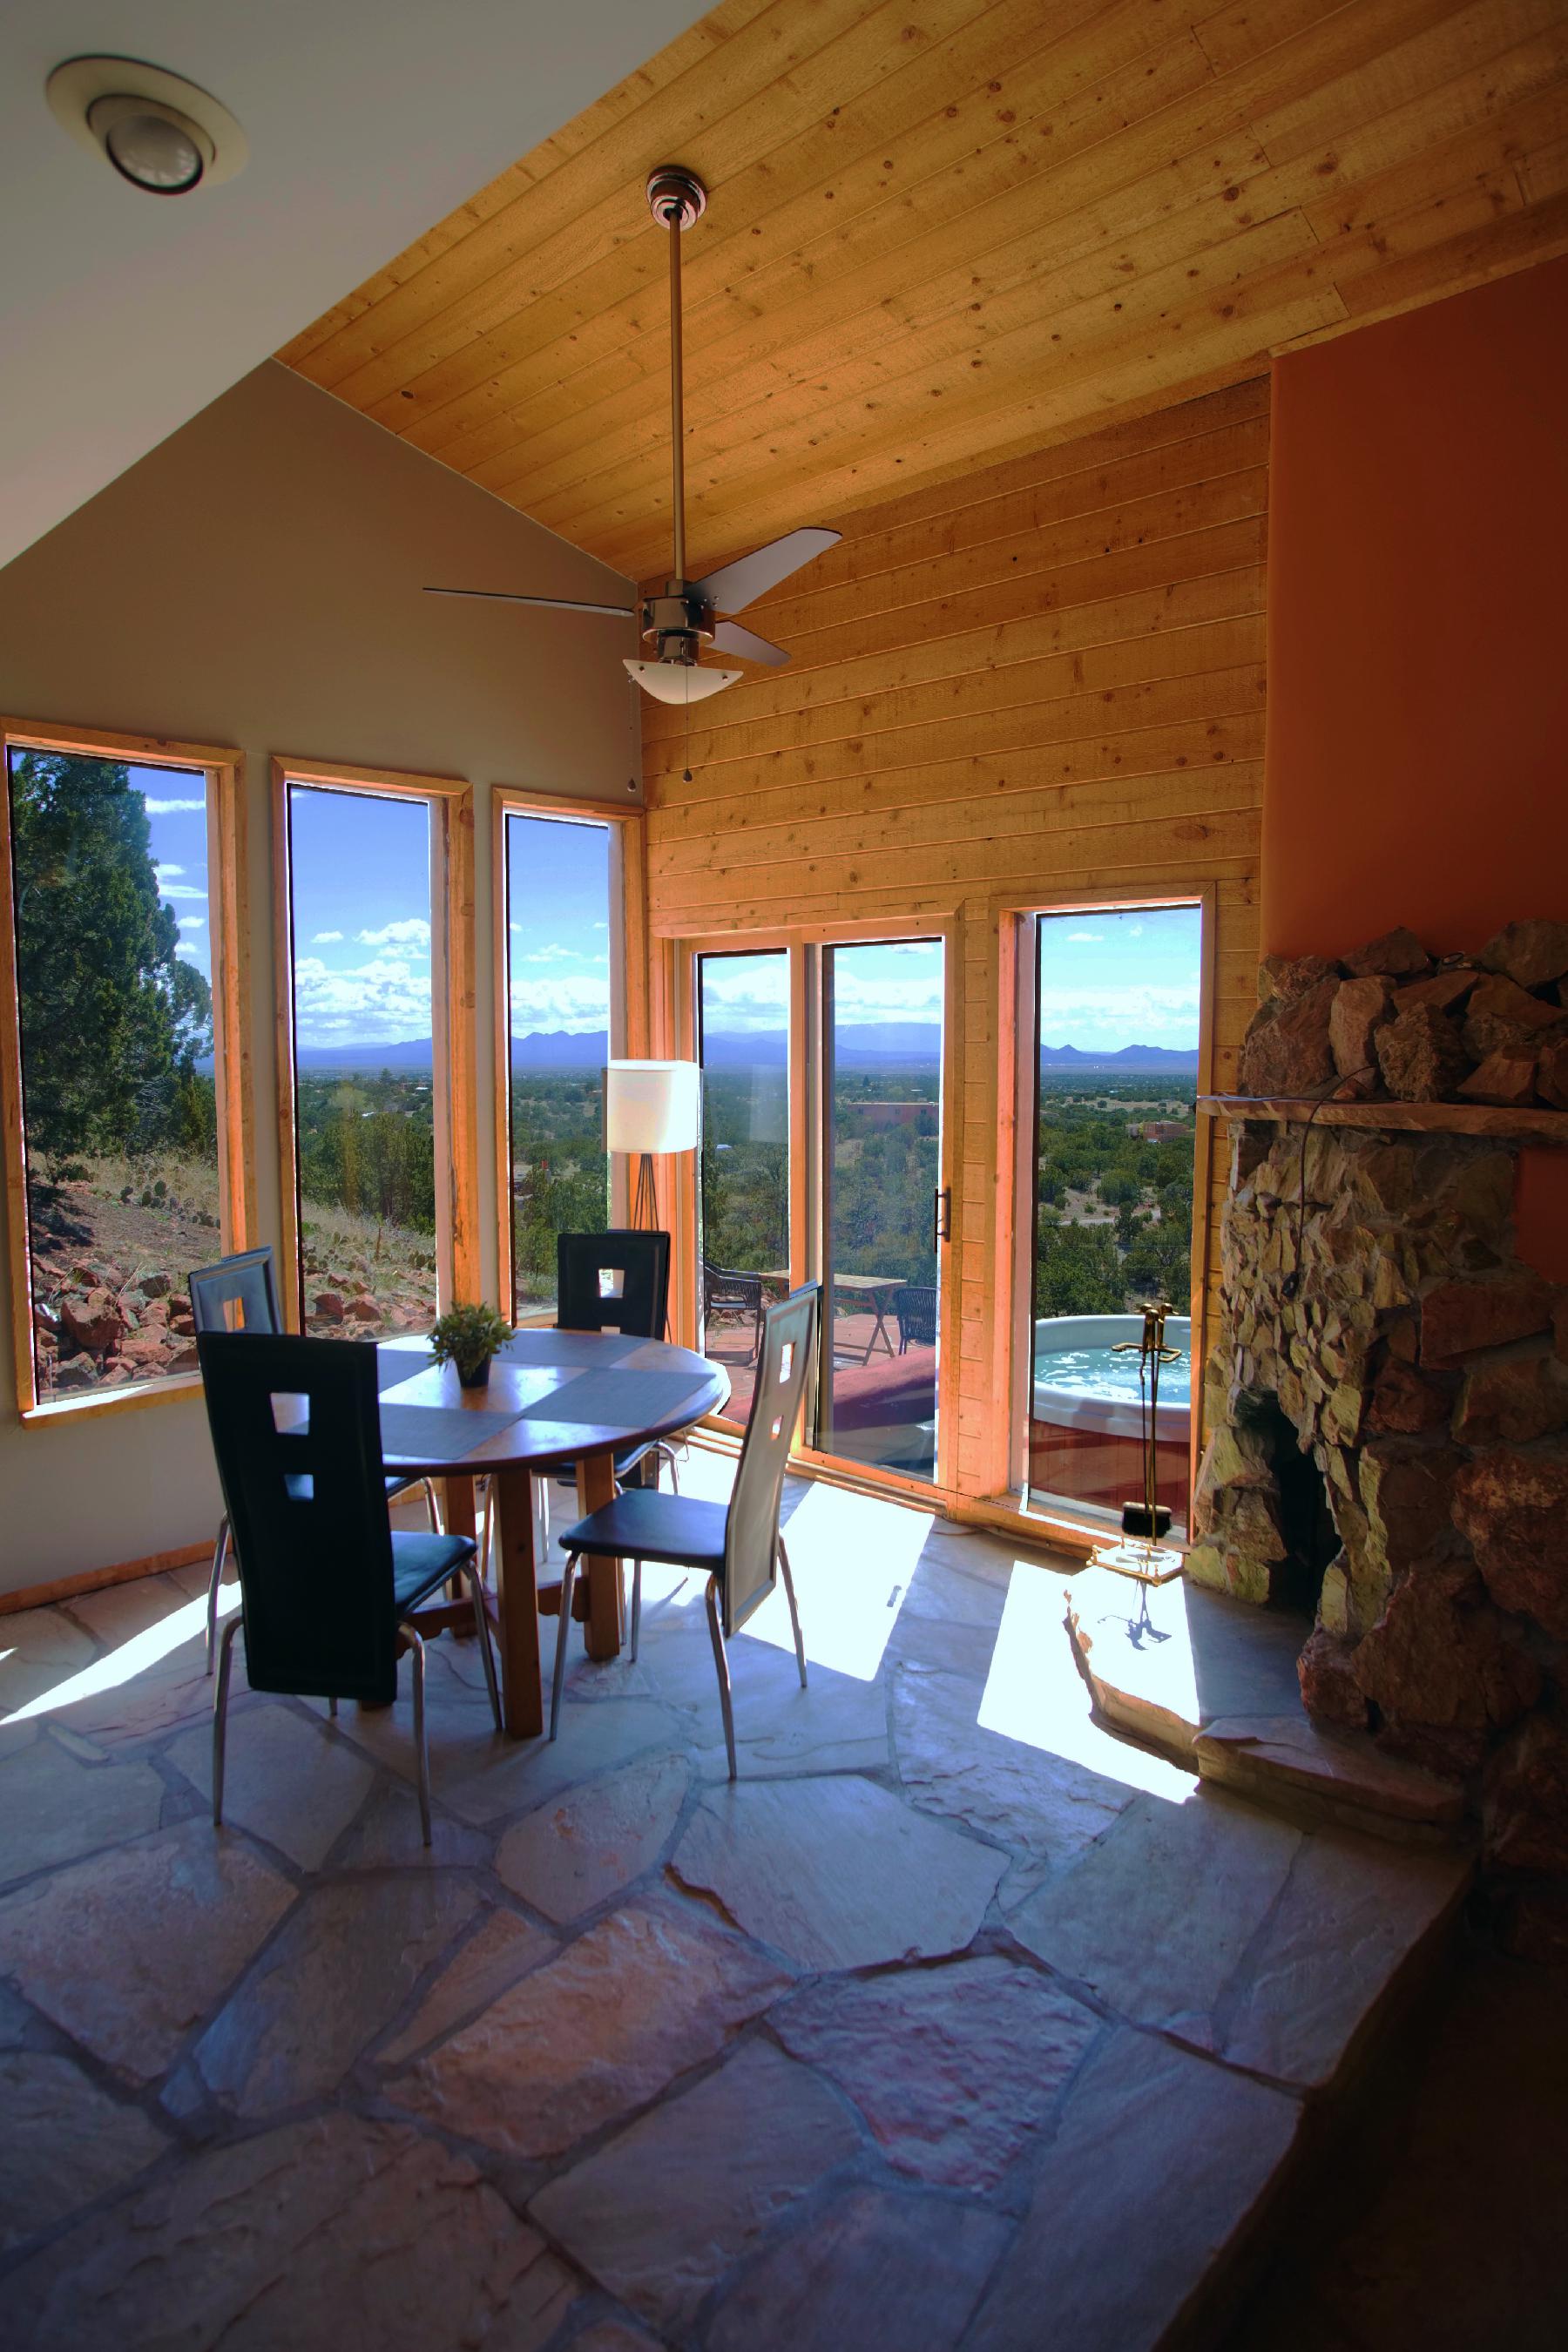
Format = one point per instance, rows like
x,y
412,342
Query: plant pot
x,y
475,1380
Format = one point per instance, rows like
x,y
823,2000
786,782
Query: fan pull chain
x,y
686,740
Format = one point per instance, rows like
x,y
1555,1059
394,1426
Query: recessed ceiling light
x,y
159,130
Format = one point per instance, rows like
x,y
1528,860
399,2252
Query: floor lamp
x,y
650,1107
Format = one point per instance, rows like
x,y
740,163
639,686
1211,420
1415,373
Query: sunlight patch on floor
x,y
1034,1694
854,1559
132,1658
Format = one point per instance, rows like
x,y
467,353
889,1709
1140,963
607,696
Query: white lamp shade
x,y
651,1106
680,682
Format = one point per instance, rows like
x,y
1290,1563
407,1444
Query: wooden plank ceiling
x,y
943,232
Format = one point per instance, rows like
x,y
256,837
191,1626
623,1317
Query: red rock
x,y
145,1350
1360,1008
1459,1317
1513,1508
1505,1077
156,1286
1421,1055
1531,952
1500,1016
184,1325
94,1322
1404,1405
1282,979
1552,1073
1399,953
328,1306
362,1310
1286,1049
1443,991
1513,1398
1326,1673
185,1360
1440,1654
1524,1812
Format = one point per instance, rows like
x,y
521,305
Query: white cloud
x,y
185,949
378,1002
193,922
571,1001
161,867
412,931
324,938
1141,1013
557,955
1074,936
181,890
172,808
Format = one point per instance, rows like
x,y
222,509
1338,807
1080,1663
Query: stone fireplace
x,y
1387,1406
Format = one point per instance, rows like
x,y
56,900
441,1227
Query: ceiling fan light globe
x,y
680,683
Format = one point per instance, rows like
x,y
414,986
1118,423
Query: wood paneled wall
x,y
1040,686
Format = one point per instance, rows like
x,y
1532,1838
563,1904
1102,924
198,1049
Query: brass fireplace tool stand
x,y
1141,1553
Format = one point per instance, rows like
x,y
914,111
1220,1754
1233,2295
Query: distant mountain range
x,y
871,1044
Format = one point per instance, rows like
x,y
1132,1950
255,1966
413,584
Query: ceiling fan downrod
x,y
676,199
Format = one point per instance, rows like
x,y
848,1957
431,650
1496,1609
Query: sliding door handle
x,y
941,1215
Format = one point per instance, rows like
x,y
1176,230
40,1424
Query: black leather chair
x,y
240,1294
738,1543
325,1585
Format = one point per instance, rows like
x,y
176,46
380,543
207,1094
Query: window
x,y
743,1208
557,878
1117,1031
125,1121
376,965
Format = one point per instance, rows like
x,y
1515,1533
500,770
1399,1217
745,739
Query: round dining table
x,y
553,1396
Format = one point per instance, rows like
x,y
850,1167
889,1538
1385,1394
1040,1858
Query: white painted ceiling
x,y
122,314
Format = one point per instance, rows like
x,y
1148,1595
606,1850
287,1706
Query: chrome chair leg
x,y
220,1552
220,1713
542,1487
421,1746
562,1631
431,1505
637,1607
482,1628
794,1611
716,1634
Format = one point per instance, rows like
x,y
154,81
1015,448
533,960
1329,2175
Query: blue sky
x,y
176,802
361,917
898,980
1123,977
558,906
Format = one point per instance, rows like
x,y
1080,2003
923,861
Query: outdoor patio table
x,y
552,1397
877,1290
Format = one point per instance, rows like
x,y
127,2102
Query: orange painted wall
x,y
1417,764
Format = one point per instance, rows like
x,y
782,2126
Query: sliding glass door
x,y
883,1208
743,1191
822,1160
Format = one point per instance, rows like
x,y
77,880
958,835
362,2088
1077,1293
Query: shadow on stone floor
x,y
880,2046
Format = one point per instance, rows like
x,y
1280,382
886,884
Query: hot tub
x,y
1086,1422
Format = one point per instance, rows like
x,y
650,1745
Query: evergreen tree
x,y
111,1020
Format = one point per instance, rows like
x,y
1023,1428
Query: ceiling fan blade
x,y
730,637
735,585
552,604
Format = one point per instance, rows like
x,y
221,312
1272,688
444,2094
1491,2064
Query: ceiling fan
x,y
686,617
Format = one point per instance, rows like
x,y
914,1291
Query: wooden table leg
x,y
596,1485
523,1706
458,1518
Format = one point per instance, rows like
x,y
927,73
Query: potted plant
x,y
469,1337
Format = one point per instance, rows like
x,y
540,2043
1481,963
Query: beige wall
x,y
256,581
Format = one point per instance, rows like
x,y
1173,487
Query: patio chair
x,y
240,1294
725,1292
915,1306
738,1543
326,1586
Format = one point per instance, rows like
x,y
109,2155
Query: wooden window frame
x,y
1017,1111
223,768
628,976
453,1002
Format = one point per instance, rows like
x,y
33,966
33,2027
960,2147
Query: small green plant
x,y
468,1336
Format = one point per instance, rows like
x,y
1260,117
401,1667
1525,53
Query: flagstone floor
x,y
956,2023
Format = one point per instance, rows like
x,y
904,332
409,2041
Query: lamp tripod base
x,y
1151,1563
645,1199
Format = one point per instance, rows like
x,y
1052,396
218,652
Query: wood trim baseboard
x,y
97,1580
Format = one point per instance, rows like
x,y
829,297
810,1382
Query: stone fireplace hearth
x,y
1379,1326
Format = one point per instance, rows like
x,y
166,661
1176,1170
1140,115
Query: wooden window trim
x,y
1015,1250
453,985
223,768
628,920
